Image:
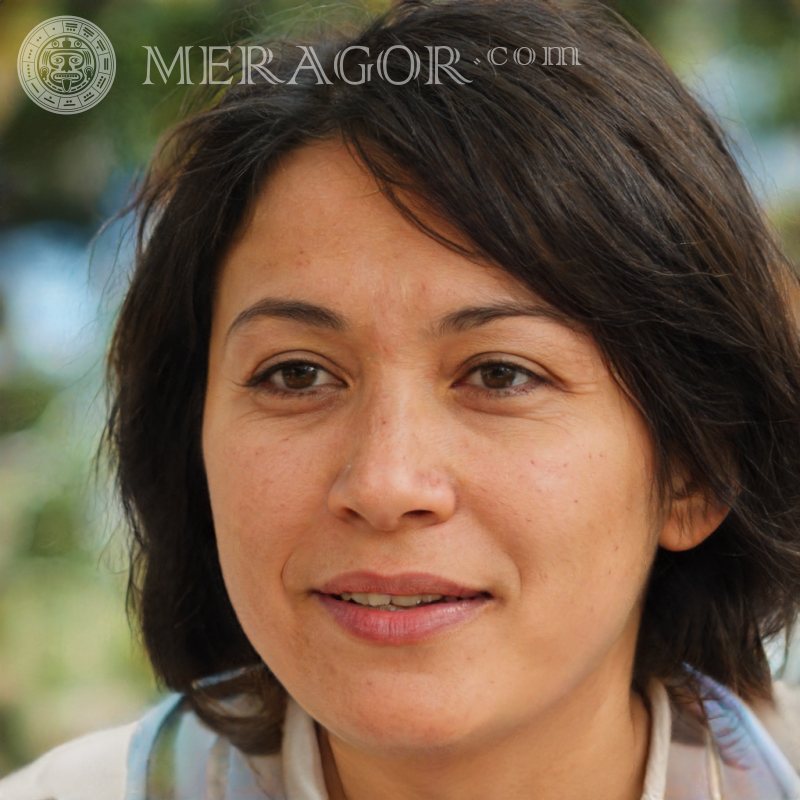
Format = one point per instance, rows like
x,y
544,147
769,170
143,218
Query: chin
x,y
408,728
402,712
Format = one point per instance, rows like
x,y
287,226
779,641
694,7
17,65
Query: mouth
x,y
400,602
401,609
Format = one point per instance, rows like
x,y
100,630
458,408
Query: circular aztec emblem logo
x,y
66,65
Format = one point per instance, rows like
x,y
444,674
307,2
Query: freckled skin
x,y
398,465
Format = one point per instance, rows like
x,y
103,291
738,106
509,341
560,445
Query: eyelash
x,y
261,379
534,380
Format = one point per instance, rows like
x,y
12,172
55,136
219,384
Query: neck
x,y
594,744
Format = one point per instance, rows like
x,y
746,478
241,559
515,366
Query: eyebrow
x,y
474,316
296,310
464,319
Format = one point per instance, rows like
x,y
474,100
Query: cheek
x,y
574,515
264,495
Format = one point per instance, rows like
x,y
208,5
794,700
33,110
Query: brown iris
x,y
498,376
299,376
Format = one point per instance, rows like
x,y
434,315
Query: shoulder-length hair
x,y
598,182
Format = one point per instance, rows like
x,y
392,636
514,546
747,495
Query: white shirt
x,y
98,766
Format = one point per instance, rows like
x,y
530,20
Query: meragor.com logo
x,y
66,65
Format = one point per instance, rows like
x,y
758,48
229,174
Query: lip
x,y
404,583
400,627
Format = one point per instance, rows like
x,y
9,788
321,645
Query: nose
x,y
394,472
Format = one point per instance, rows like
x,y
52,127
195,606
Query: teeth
x,y
381,600
407,601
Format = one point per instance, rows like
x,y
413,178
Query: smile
x,y
399,610
391,602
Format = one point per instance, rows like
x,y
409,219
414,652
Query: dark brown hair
x,y
605,188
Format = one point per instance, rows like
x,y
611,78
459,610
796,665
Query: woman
x,y
456,423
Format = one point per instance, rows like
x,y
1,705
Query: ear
x,y
692,518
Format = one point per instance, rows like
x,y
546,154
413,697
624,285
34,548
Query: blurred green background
x,y
69,663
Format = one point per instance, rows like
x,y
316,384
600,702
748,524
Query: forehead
x,y
322,229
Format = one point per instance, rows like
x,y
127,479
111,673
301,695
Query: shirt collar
x,y
302,764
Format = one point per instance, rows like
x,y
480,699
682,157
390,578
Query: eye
x,y
501,375
294,376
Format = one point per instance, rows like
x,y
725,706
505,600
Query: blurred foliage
x,y
68,661
60,170
761,40
23,398
69,664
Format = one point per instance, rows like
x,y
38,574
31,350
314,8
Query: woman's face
x,y
388,420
